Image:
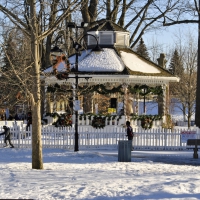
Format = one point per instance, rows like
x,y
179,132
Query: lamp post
x,y
144,91
144,110
77,46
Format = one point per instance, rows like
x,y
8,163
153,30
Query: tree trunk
x,y
108,9
37,162
184,113
122,17
189,115
115,11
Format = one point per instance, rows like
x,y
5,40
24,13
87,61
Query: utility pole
x,y
197,109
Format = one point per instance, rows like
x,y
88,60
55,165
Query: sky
x,y
97,175
168,38
168,35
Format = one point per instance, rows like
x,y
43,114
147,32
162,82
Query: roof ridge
x,y
101,24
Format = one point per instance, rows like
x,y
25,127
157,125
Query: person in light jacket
x,y
7,136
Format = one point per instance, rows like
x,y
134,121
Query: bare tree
x,y
184,64
137,16
188,13
28,17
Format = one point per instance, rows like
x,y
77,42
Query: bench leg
x,y
195,155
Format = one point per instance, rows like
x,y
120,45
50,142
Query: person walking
x,y
129,133
7,136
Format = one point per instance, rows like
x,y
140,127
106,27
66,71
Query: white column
x,y
125,99
51,107
138,104
164,102
92,109
54,103
45,100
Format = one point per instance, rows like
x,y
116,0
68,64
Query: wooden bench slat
x,y
193,142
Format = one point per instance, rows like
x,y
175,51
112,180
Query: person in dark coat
x,y
129,133
16,117
29,120
7,136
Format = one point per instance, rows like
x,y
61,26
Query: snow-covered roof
x,y
115,65
89,61
134,63
108,61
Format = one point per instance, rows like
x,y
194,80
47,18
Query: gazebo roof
x,y
106,25
116,63
121,63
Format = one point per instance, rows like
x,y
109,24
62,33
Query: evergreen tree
x,y
176,64
141,49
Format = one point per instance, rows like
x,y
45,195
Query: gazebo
x,y
116,71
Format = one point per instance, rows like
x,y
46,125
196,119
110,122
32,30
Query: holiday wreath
x,y
147,123
146,120
63,119
98,122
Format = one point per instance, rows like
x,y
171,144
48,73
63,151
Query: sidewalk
x,y
167,157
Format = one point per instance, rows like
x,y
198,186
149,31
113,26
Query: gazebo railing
x,y
116,121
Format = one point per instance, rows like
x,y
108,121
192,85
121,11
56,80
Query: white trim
x,y
114,79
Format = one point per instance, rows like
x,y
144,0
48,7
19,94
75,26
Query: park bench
x,y
195,145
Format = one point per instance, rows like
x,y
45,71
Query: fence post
x,y
19,134
63,134
165,139
179,133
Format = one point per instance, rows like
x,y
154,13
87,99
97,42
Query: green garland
x,y
108,117
146,120
98,122
83,116
63,120
143,90
101,89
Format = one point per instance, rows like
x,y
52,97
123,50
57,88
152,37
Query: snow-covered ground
x,y
97,175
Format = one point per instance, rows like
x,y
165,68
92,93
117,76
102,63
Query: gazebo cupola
x,y
108,34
